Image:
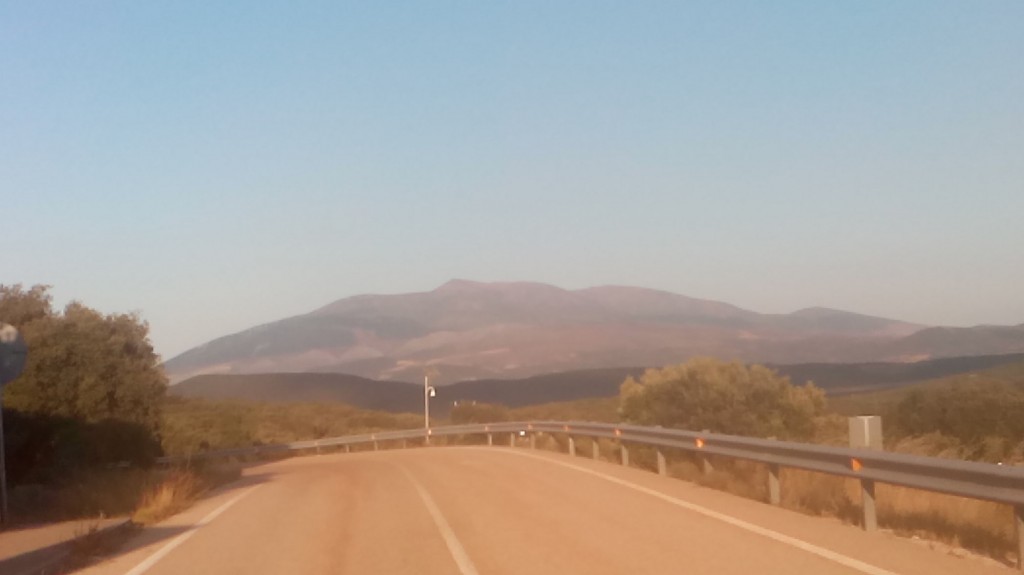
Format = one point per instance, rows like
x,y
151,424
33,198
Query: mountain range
x,y
467,330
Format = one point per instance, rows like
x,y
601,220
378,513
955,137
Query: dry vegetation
x,y
93,543
192,426
964,417
176,489
147,495
979,526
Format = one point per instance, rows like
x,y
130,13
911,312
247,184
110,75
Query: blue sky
x,y
219,165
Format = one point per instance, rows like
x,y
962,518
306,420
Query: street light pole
x,y
428,392
426,403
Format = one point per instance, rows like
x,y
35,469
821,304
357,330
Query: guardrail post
x,y
512,440
533,441
625,455
867,501
348,448
705,464
375,446
572,447
662,465
318,448
490,439
405,444
774,491
1018,518
597,450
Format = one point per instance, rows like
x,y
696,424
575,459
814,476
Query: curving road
x,y
494,511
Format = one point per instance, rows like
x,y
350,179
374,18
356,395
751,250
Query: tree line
x,y
91,391
94,395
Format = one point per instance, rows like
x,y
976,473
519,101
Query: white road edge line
x,y
763,531
456,549
173,543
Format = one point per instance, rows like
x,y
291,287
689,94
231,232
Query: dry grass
x,y
177,489
176,492
92,543
97,493
979,526
143,494
146,495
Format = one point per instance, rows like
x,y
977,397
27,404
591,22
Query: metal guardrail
x,y
983,481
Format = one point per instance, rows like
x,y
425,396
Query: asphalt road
x,y
493,511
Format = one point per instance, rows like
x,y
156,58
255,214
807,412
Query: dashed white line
x,y
173,543
458,553
763,531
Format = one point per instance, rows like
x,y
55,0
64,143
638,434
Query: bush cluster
x,y
724,397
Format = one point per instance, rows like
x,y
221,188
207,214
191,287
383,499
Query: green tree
x,y
83,364
92,389
983,414
724,397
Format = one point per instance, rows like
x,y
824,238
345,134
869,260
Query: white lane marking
x,y
458,553
173,543
763,531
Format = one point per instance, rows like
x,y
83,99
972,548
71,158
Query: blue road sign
x,y
13,352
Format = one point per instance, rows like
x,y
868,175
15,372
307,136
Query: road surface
x,y
496,511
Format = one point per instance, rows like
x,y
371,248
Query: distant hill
x,y
883,401
836,379
843,378
962,341
471,330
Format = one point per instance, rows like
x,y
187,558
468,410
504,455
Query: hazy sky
x,y
215,165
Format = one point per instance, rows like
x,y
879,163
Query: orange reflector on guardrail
x,y
699,443
529,426
565,428
618,433
855,464
487,428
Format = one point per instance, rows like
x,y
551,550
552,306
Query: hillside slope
x,y
470,330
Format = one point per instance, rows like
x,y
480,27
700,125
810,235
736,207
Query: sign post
x,y
866,433
428,392
13,352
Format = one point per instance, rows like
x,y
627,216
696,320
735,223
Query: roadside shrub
x,y
725,397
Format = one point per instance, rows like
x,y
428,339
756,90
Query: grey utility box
x,y
866,432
